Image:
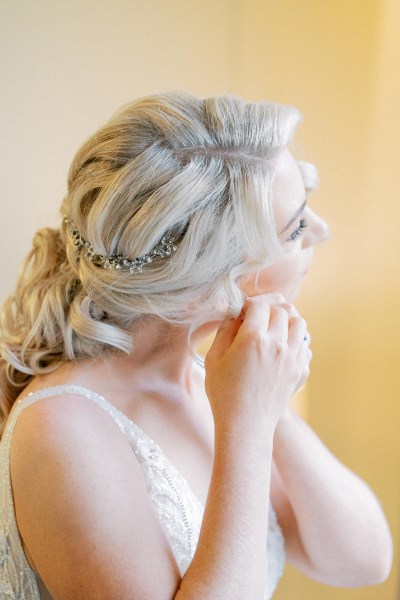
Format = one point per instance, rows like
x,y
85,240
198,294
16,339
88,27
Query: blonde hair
x,y
201,171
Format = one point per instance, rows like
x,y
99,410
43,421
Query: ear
x,y
256,283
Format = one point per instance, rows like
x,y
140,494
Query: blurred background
x,y
67,66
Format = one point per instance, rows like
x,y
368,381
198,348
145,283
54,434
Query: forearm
x,y
231,556
342,528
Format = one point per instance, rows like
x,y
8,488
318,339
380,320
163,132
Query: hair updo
x,y
200,171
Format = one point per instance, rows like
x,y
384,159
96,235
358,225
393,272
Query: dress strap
x,y
122,420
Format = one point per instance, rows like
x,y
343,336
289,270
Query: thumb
x,y
225,336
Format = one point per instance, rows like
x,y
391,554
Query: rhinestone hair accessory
x,y
116,261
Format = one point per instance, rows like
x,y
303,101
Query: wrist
x,y
242,434
286,422
287,415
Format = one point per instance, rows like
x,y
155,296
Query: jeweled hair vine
x,y
163,249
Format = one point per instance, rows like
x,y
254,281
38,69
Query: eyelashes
x,y
297,232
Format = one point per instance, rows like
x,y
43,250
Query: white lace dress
x,y
177,507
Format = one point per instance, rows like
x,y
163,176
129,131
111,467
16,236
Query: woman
x,y
182,216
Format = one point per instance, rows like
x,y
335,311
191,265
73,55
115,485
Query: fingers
x,y
270,312
257,310
264,314
256,315
304,357
298,335
225,336
286,331
291,309
279,325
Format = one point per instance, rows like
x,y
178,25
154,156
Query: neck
x,y
160,357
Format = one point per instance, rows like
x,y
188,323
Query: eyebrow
x,y
295,216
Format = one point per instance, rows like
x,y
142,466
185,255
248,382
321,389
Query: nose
x,y
317,228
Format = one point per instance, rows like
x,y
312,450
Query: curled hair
x,y
200,171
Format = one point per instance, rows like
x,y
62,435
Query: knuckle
x,y
290,308
295,320
281,348
280,312
260,298
252,337
255,301
281,299
273,298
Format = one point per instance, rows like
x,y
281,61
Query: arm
x,y
334,527
231,556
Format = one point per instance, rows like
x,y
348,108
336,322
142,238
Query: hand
x,y
256,363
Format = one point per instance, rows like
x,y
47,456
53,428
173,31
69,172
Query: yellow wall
x,y
67,66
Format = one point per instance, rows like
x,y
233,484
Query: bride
x,y
128,470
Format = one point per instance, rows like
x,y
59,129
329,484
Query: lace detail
x,y
179,510
17,580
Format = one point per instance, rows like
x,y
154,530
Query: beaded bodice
x,y
179,510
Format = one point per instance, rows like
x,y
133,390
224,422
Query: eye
x,y
297,232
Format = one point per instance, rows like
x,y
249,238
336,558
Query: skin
x,y
286,275
210,445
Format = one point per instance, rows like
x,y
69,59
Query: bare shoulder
x,y
82,506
